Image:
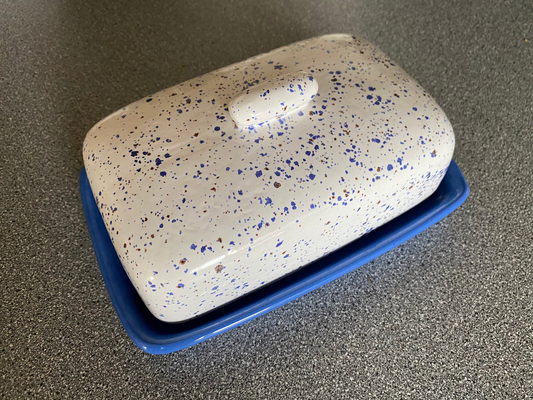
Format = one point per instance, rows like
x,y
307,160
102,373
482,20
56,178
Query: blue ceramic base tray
x,y
157,337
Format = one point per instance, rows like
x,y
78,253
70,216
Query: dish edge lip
x,y
157,337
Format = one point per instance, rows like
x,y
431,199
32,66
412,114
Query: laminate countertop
x,y
448,314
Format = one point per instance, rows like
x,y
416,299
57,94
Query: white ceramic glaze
x,y
202,210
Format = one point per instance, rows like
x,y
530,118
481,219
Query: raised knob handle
x,y
273,99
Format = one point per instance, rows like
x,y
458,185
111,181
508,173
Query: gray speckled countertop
x,y
448,314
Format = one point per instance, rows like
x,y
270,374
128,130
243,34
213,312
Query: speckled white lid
x,y
219,185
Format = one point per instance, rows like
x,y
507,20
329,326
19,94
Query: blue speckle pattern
x,y
202,209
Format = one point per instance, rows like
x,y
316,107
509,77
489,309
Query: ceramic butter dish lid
x,y
222,184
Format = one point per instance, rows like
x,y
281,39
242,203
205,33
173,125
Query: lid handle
x,y
273,99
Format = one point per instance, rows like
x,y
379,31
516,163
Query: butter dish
x,y
221,185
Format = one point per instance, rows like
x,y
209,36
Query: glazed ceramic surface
x,y
218,186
